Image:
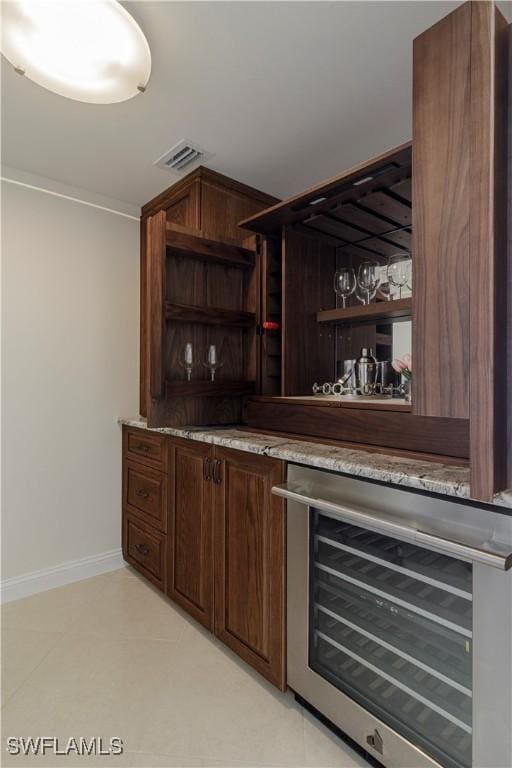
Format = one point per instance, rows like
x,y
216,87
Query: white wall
x,y
70,307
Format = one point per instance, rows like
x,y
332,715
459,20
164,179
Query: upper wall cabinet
x,y
199,286
441,198
460,69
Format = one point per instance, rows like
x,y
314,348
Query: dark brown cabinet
x,y
442,198
190,580
249,560
145,503
219,551
199,284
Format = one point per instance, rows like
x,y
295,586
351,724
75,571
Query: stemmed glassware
x,y
361,295
398,270
213,363
188,362
345,283
368,278
385,285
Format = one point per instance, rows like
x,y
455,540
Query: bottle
x,y
366,371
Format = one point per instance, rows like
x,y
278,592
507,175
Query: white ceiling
x,y
283,93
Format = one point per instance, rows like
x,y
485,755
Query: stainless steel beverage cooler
x,y
400,619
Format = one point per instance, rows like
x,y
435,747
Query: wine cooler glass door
x,y
390,625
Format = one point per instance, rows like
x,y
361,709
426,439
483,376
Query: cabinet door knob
x,y
143,448
142,549
141,492
217,479
207,469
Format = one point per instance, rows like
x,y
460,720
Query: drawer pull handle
x,y
143,448
141,492
375,740
217,479
142,549
207,469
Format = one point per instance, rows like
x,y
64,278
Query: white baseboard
x,y
48,578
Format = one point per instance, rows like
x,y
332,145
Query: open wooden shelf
x,y
197,247
207,388
188,313
397,309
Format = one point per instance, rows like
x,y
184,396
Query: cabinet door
x,y
190,542
249,562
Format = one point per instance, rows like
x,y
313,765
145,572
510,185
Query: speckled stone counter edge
x,y
410,473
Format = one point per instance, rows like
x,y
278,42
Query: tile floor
x,y
111,656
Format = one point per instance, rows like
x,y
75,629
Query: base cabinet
x,y
249,560
220,552
190,580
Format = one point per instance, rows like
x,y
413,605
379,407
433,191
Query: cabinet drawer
x,y
145,493
147,447
145,549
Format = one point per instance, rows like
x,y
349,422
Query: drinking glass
x,y
409,277
398,269
361,295
368,278
345,283
385,291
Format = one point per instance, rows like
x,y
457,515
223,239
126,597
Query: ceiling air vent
x,y
183,155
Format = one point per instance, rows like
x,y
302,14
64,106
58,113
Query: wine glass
x,y
368,278
409,277
361,295
385,285
345,283
187,362
398,270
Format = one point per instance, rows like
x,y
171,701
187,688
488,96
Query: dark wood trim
x,y
156,302
272,219
488,244
189,313
396,309
204,174
389,429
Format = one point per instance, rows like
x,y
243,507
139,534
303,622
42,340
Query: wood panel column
x,y
460,105
440,215
488,250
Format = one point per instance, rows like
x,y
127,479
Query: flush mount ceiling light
x,y
88,50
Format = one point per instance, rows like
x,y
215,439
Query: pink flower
x,y
403,365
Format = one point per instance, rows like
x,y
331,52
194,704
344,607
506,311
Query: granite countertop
x,y
410,473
